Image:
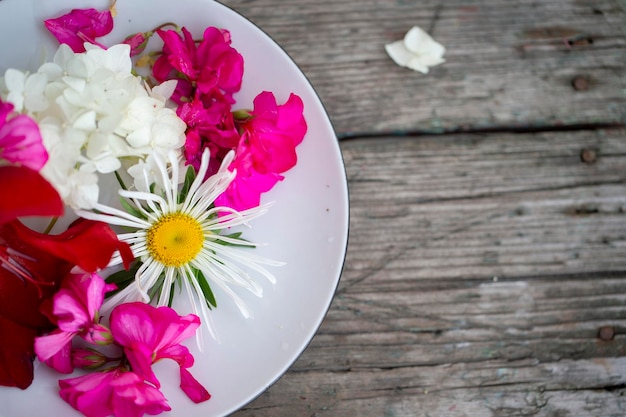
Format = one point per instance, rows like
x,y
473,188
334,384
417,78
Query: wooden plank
x,y
477,206
490,349
485,276
508,63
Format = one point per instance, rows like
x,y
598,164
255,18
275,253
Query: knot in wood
x,y
606,333
580,83
588,156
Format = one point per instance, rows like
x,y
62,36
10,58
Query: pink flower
x,y
33,266
149,334
209,126
80,26
213,66
245,190
267,149
74,311
20,140
114,393
273,132
221,65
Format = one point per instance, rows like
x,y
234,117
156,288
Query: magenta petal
x,y
70,312
89,289
274,132
132,322
156,328
244,192
192,388
112,393
181,51
21,143
62,360
90,394
5,109
149,334
49,345
132,397
178,353
221,65
140,358
78,300
80,26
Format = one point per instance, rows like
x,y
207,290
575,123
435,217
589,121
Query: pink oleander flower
x,y
75,312
267,148
213,66
20,139
149,334
116,393
80,26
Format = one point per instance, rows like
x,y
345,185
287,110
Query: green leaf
x,y
235,236
131,209
122,278
190,176
172,290
206,289
156,288
120,181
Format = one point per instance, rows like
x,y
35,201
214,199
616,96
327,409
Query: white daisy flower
x,y
182,241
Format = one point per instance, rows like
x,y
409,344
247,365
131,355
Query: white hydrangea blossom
x,y
95,117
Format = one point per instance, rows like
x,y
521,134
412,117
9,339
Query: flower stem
x,y
120,181
176,27
50,225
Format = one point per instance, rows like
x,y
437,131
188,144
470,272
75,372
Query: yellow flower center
x,y
175,239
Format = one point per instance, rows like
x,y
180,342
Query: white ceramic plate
x,y
307,227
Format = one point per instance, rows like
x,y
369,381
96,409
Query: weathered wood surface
x,y
486,269
480,271
508,62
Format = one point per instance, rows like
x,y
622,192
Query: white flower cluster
x,y
95,116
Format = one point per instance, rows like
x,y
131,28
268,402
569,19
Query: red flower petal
x,y
26,193
20,298
16,354
85,243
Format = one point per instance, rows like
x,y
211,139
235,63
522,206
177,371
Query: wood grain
x,y
486,267
508,63
481,270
